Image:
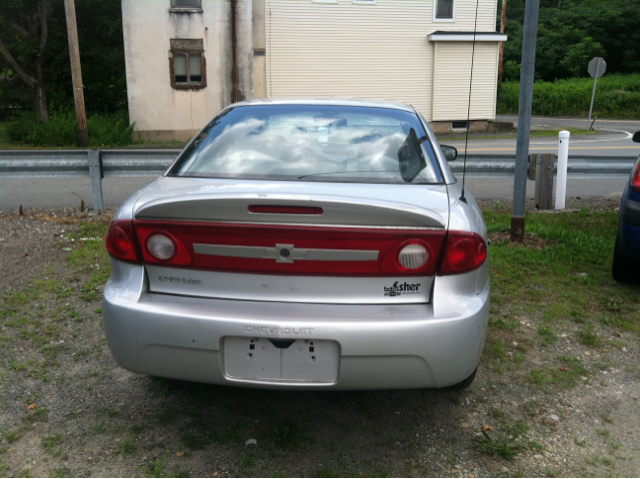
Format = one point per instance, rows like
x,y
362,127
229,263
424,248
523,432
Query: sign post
x,y
597,67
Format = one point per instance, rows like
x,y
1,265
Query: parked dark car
x,y
626,255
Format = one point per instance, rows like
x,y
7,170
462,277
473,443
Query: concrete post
x,y
244,48
259,50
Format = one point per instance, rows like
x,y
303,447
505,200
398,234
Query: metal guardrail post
x,y
95,171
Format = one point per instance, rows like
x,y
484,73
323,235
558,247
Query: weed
x,y
607,418
61,472
195,440
248,461
614,446
549,336
126,447
25,472
590,339
503,448
535,445
51,443
12,435
17,365
289,435
604,433
80,354
580,442
515,429
39,414
507,325
110,411
137,428
155,468
166,415
99,428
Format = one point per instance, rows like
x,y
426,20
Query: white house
x,y
188,59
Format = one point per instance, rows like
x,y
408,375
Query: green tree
x,y
24,30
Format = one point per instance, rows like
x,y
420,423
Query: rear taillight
x,y
310,250
464,252
121,241
160,246
635,178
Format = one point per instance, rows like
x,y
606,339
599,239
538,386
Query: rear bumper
x,y
380,346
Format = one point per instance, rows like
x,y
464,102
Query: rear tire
x,y
466,382
625,268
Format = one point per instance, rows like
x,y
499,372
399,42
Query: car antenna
x,y
466,138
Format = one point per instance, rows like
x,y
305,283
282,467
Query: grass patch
x,y
51,444
566,374
549,336
61,130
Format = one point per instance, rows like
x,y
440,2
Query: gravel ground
x,y
66,408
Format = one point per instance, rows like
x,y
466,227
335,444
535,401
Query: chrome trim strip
x,y
266,223
286,253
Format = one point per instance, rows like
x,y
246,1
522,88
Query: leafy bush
x,y
61,130
617,96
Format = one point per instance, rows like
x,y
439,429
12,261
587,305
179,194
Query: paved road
x,y
613,139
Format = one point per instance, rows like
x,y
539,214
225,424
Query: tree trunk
x,y
40,102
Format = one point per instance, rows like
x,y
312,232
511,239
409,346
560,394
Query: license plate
x,y
307,360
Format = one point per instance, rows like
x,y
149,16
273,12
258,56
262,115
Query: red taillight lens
x,y
464,252
400,252
121,242
285,210
635,178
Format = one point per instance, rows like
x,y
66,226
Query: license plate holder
x,y
277,359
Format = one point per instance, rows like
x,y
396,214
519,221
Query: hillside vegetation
x,y
617,96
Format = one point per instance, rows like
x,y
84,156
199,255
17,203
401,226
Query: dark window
x,y
458,125
444,9
187,64
186,3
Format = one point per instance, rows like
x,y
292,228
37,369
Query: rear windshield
x,y
312,143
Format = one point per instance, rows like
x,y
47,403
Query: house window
x,y
186,3
444,10
187,64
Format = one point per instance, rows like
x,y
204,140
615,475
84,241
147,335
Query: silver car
x,y
302,244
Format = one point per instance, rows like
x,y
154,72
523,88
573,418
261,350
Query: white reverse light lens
x,y
413,256
160,247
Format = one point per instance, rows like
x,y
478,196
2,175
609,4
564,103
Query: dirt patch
x,y
563,407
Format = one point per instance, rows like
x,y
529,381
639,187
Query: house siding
x,y
376,51
452,73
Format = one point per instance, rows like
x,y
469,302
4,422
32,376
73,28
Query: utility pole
x,y
532,10
76,72
503,21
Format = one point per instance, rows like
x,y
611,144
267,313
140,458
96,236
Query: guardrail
x,y
98,164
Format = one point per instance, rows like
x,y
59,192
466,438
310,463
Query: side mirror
x,y
450,153
636,137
